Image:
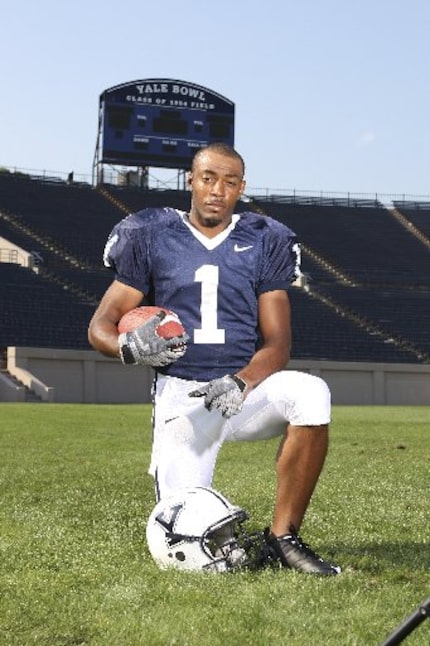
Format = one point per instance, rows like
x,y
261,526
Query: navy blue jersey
x,y
212,283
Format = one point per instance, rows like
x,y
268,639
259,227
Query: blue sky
x,y
330,95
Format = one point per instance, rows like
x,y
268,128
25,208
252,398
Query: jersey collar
x,y
210,243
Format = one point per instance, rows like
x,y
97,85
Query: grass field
x,y
75,568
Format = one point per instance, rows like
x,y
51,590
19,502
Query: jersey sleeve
x,y
126,253
281,259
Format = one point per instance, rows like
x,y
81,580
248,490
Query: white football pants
x,y
187,437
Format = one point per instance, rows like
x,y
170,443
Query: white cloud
x,y
366,138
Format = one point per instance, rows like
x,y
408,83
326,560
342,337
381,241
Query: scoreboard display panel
x,y
161,122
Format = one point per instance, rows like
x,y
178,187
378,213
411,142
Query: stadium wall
x,y
69,376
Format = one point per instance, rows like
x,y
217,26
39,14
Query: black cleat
x,y
291,552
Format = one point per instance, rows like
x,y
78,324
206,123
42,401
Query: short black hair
x,y
221,148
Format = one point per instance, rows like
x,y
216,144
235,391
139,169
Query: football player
x,y
227,276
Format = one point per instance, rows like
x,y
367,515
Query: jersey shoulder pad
x,y
266,222
147,218
134,230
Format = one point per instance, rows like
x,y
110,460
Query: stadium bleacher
x,y
135,199
324,333
361,260
38,313
368,278
366,242
76,217
402,313
418,213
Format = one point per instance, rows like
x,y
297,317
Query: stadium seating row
x,y
368,277
38,313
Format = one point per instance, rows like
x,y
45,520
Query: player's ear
x,y
190,179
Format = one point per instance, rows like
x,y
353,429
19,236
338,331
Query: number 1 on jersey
x,y
208,276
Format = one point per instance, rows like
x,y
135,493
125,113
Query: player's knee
x,y
317,393
302,385
311,400
320,388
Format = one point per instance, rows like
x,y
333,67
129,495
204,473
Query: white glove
x,y
143,345
225,394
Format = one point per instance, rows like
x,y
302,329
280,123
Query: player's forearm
x,y
265,362
102,331
103,337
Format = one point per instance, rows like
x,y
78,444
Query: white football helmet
x,y
197,529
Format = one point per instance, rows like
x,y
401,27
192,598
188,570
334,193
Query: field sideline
x,y
74,567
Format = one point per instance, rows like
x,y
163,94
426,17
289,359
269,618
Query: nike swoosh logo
x,y
238,248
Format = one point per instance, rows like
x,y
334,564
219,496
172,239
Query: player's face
x,y
216,183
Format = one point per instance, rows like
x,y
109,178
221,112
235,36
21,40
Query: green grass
x,y
75,568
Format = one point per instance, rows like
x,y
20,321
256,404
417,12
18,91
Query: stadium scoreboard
x,y
161,122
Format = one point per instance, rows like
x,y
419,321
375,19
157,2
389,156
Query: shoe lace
x,y
296,538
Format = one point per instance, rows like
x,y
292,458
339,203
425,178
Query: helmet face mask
x,y
223,544
198,529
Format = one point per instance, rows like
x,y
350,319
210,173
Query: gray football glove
x,y
143,345
225,394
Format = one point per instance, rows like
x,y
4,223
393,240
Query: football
x,y
169,327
